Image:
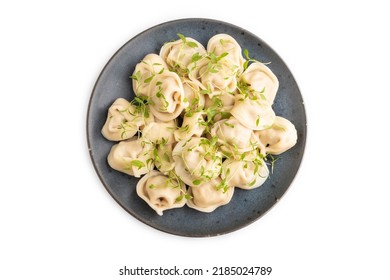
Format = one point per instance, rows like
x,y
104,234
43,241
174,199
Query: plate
x,y
245,206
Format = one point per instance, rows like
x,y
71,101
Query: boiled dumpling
x,y
161,192
277,139
180,53
209,196
150,66
214,76
246,173
225,44
197,160
233,138
159,132
133,157
254,114
223,102
124,120
166,96
258,81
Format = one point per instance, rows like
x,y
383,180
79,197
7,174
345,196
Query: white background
x,y
57,220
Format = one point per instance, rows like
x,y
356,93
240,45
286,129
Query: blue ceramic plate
x,y
246,206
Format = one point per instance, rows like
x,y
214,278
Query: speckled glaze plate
x,y
245,206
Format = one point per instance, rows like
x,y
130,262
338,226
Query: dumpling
x,y
277,139
159,132
124,120
244,173
133,157
260,82
197,160
180,53
209,196
151,65
166,96
160,192
192,125
233,138
214,75
224,43
254,114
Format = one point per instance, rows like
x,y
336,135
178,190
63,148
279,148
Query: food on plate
x,y
200,125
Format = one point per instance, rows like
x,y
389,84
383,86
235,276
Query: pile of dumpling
x,y
200,125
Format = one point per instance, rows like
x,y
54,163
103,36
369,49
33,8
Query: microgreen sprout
x,y
160,94
247,91
223,185
136,163
271,161
249,59
187,43
141,106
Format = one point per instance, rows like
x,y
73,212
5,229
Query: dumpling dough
x,y
277,139
244,174
166,96
197,160
233,138
133,157
209,196
150,66
161,192
123,121
254,114
159,132
214,76
180,53
224,43
259,81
